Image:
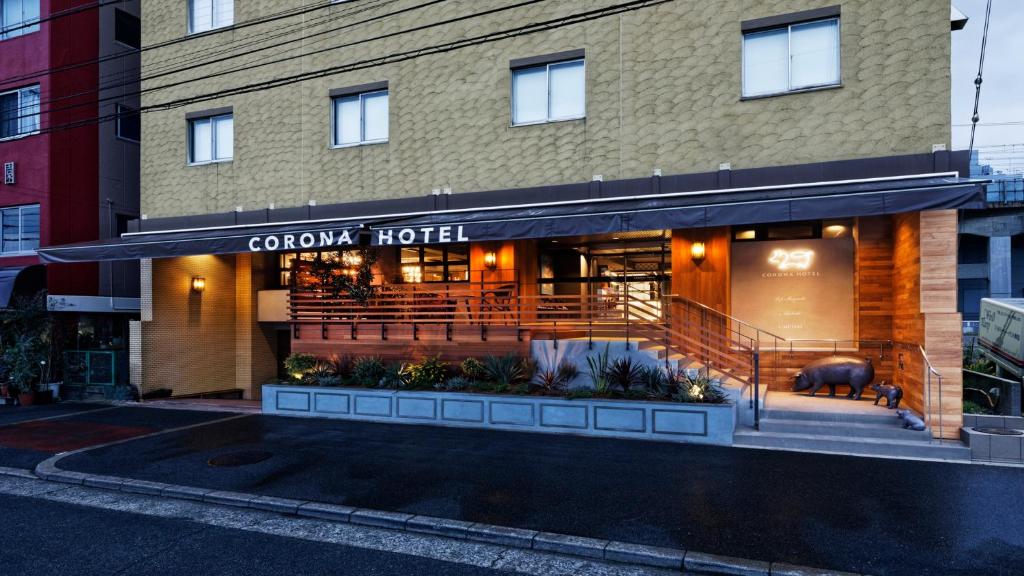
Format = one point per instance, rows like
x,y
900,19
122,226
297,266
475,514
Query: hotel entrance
x,y
630,272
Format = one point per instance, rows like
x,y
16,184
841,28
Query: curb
x,y
590,548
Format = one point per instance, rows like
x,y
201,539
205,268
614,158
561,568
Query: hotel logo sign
x,y
421,235
300,241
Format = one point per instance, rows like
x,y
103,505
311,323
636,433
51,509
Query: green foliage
x,y
508,370
579,393
335,274
396,375
473,369
555,379
322,374
454,384
697,389
974,408
368,371
493,387
597,367
341,366
427,373
654,381
29,346
298,365
624,373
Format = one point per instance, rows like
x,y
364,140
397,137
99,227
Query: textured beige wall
x,y
663,89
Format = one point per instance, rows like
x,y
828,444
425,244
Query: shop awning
x,y
738,206
289,236
8,276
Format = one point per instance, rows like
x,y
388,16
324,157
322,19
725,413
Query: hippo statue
x,y
834,370
910,420
892,394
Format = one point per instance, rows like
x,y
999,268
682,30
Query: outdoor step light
x,y
198,283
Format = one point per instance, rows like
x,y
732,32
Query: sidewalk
x,y
859,514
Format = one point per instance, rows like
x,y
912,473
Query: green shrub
x,y
554,379
473,369
578,393
598,369
624,373
341,365
396,375
454,384
508,369
428,372
973,408
298,365
698,389
368,371
654,381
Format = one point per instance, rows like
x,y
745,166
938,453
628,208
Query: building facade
x,y
67,178
527,173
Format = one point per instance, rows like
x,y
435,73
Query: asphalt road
x,y
882,517
41,538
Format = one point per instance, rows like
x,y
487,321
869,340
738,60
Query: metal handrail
x,y
932,370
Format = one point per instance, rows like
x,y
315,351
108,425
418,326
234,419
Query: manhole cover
x,y
1000,431
242,458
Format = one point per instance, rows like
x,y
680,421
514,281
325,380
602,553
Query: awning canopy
x,y
8,276
758,205
551,219
222,240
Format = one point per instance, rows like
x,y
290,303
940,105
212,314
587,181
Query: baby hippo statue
x,y
835,370
892,394
910,420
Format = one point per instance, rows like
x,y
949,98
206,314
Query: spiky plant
x,y
624,373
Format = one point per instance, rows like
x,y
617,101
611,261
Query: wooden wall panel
x,y
938,245
707,282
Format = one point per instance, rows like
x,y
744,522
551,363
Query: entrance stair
x,y
841,426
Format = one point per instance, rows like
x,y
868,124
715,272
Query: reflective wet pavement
x,y
31,434
861,514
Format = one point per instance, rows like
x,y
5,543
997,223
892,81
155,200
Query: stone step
x,y
892,430
882,417
946,450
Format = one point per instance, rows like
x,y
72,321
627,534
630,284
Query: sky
x,y
1002,91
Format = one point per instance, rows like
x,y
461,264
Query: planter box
x,y
667,421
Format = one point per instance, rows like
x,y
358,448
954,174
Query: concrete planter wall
x,y
667,421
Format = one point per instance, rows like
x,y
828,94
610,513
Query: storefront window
x,y
435,263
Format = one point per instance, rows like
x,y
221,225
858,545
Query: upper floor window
x,y
19,112
20,229
128,124
127,29
211,139
360,118
206,15
18,17
548,92
790,58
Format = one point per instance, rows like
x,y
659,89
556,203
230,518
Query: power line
x,y
1007,123
225,58
393,58
312,7
296,56
61,14
977,81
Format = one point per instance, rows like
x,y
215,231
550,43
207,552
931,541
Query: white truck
x,y
1001,333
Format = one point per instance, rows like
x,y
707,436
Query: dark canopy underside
x,y
554,219
696,210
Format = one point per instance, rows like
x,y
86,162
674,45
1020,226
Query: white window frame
x,y
547,80
20,108
119,111
789,60
214,24
19,31
362,119
21,226
213,139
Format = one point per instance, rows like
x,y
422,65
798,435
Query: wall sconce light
x,y
490,259
697,252
198,283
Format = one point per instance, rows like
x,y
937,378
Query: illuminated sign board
x,y
798,289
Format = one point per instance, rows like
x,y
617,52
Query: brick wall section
x,y
663,89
